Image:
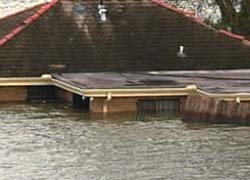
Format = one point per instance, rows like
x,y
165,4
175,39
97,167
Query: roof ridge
x,y
28,21
193,17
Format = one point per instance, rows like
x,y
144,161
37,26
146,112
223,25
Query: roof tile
x,y
137,36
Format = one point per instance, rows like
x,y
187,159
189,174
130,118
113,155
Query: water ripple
x,y
49,142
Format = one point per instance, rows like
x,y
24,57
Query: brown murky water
x,y
50,142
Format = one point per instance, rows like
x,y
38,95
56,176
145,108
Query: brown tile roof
x,y
137,36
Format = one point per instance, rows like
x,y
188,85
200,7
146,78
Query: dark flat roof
x,y
211,81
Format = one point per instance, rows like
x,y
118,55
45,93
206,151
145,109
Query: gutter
x,y
47,80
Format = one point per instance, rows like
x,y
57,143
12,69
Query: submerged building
x,y
120,55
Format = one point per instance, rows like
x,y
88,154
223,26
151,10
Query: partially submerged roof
x,y
137,36
221,82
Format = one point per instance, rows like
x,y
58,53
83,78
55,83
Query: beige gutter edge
x,y
33,81
137,92
226,96
124,92
67,87
46,80
148,92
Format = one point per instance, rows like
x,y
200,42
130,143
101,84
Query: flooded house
x,y
116,55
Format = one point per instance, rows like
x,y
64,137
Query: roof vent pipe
x,y
102,11
181,53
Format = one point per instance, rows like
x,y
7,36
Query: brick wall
x,y
128,104
13,94
114,105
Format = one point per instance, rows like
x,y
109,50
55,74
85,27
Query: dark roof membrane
x,y
137,36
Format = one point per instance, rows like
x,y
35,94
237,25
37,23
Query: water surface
x,y
53,142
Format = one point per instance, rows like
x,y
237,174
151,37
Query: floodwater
x,y
55,142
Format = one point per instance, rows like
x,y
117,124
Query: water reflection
x,y
51,142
